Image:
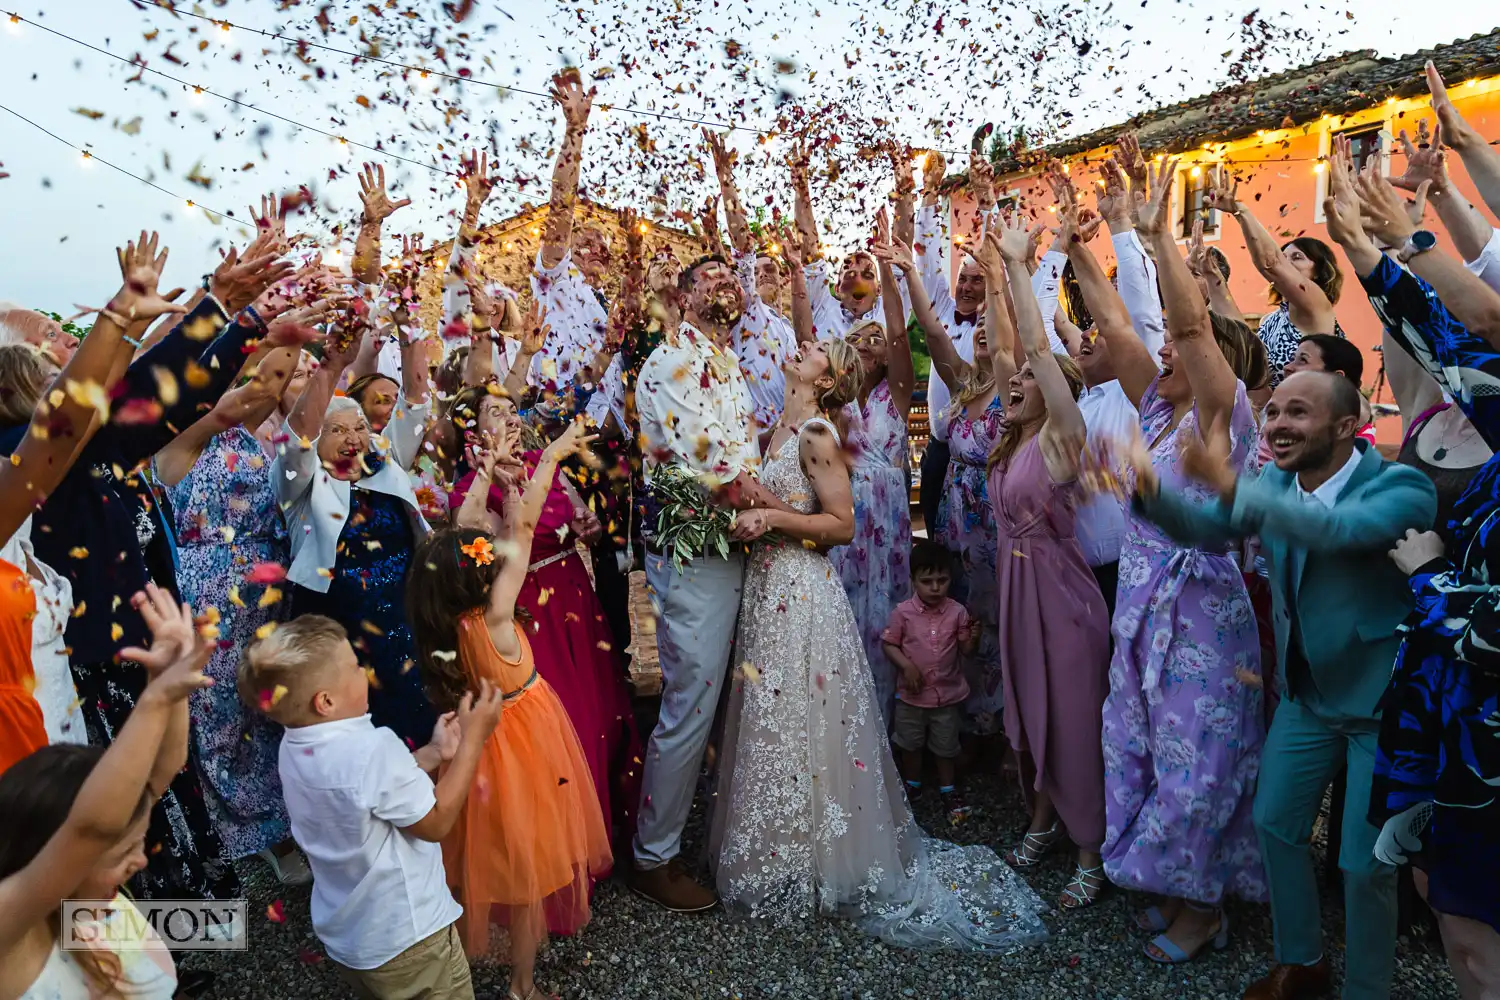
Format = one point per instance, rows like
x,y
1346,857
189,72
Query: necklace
x,y
1441,452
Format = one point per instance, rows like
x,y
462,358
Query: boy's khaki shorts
x,y
434,968
934,728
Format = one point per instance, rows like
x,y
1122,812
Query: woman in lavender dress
x,y
875,566
1183,725
231,545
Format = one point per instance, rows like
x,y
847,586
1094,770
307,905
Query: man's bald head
x,y
1311,420
27,326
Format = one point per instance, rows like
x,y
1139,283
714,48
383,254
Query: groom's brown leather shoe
x,y
670,885
1292,982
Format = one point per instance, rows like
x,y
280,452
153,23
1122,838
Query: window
x,y
1364,142
1194,201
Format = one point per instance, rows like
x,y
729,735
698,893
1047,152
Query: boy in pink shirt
x,y
923,638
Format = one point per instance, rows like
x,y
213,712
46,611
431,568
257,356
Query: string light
x,y
90,157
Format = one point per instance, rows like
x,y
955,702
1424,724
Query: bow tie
x,y
961,318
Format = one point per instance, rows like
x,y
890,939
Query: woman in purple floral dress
x,y
875,566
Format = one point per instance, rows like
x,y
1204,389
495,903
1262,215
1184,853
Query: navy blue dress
x,y
367,596
1439,746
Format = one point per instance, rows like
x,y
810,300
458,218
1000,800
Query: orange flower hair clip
x,y
481,551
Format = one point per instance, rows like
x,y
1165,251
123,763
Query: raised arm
x,y
900,375
734,209
1203,268
1310,307
1472,302
807,224
903,223
266,383
378,206
568,92
999,330
1064,432
1480,159
1212,380
802,314
1426,161
1135,274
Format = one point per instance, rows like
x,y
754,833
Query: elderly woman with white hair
x,y
354,521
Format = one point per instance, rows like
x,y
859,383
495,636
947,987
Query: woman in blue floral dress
x,y
875,566
229,535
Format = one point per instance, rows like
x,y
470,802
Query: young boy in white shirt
x,y
367,813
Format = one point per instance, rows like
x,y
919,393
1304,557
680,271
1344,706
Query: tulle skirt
x,y
531,836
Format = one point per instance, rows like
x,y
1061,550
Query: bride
x,y
811,816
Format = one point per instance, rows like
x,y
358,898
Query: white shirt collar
x,y
1328,493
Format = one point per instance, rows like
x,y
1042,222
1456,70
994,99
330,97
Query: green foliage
x,y
921,361
689,524
69,328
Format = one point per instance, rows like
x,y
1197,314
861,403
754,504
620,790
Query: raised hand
x,y
411,246
882,227
239,281
1341,207
474,177
445,736
567,90
934,168
534,328
572,441
981,180
635,240
1385,212
1224,191
1197,252
342,345
138,301
1131,162
906,178
797,161
378,204
1425,160
1207,461
1460,134
989,258
709,218
897,255
1152,208
174,635
270,226
723,159
1113,201
1013,238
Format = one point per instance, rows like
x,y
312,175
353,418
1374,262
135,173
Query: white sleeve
x,y
1044,285
1486,267
818,292
455,289
932,258
293,467
1135,277
755,312
404,432
669,394
394,787
610,395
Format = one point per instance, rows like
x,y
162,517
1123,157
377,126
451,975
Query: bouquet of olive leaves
x,y
688,524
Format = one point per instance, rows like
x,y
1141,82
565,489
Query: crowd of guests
x,y
289,575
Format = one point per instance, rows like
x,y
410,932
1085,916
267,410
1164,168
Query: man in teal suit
x,y
1326,514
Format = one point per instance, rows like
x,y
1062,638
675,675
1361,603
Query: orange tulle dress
x,y
532,836
21,729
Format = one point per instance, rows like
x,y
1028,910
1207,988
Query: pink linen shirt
x,y
929,638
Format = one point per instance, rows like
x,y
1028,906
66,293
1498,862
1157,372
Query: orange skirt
x,y
531,837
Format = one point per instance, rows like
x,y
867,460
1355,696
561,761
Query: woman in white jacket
x,y
354,523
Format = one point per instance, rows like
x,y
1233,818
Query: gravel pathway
x,y
633,949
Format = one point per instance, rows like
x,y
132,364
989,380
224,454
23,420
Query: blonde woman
x,y
811,817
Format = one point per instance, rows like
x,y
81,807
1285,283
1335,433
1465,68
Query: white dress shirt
x,y
351,789
763,340
1328,493
1112,421
831,321
695,409
577,318
1135,278
1486,267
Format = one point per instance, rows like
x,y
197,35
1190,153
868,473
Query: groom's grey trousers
x,y
696,612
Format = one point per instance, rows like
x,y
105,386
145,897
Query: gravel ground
x,y
633,949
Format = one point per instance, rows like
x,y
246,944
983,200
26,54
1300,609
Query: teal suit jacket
x,y
1329,567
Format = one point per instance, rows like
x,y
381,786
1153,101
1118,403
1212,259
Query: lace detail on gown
x,y
811,816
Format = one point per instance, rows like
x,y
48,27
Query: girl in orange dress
x,y
21,729
532,835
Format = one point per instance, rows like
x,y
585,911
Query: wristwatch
x,y
1420,241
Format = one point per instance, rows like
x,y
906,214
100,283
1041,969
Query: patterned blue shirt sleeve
x,y
1463,363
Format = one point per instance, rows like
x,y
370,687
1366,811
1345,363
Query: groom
x,y
696,415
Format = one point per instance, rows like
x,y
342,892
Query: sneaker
x,y
290,869
955,805
670,886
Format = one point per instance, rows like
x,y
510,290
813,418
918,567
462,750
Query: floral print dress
x,y
876,565
1182,730
966,525
228,522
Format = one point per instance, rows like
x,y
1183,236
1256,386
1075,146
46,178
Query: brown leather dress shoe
x,y
1292,982
670,885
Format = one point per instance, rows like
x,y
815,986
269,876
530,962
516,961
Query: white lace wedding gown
x,y
811,816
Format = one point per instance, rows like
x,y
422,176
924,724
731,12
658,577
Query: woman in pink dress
x,y
1054,626
569,634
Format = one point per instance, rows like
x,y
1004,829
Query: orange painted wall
x,y
1280,178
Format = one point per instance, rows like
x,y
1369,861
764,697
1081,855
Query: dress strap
x,y
823,422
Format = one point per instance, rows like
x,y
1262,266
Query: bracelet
x,y
133,342
255,320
